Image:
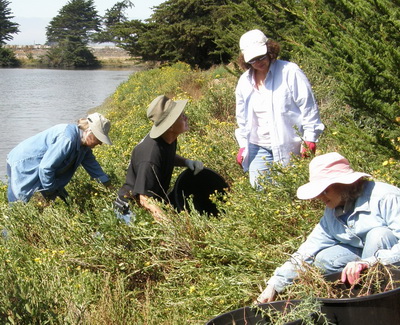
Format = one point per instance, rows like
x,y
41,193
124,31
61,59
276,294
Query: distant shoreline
x,y
35,51
108,55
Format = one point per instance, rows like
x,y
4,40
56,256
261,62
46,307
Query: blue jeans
x,y
10,195
335,258
260,160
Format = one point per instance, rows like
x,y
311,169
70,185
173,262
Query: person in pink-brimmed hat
x,y
360,225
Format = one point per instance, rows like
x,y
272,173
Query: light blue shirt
x,y
291,110
48,160
378,206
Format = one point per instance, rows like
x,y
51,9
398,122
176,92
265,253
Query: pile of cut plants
x,y
301,298
376,279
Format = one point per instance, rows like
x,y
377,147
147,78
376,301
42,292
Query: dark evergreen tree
x,y
7,27
70,32
112,21
77,19
178,30
356,43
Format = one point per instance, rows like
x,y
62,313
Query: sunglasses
x,y
260,58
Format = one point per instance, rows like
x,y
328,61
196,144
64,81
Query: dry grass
x,y
311,282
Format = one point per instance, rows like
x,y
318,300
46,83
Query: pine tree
x,y
77,19
7,27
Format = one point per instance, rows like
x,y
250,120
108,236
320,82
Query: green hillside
x,y
77,264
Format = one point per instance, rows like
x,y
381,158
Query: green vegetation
x,y
7,28
70,264
76,264
70,32
112,18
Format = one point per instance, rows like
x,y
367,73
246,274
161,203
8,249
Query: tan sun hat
x,y
253,44
163,111
326,170
100,127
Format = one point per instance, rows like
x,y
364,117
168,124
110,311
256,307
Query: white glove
x,y
195,165
267,295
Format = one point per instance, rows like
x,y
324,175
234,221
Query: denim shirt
x,y
292,111
48,160
378,206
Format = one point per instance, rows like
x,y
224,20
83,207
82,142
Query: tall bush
x,y
355,42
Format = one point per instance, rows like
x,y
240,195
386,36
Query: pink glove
x,y
308,147
239,157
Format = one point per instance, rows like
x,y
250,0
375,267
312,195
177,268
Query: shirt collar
x,y
348,208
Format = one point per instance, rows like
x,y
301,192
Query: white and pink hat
x,y
326,170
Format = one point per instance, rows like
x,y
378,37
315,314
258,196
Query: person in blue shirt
x,y
360,226
47,161
276,111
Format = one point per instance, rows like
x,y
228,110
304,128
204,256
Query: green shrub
x,y
8,58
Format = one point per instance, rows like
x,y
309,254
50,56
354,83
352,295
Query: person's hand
x,y
195,165
352,270
239,157
268,295
308,147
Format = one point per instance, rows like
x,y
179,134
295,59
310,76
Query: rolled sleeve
x,y
316,241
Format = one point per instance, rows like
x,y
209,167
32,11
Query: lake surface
x,y
32,100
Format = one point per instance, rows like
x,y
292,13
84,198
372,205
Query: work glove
x,y
308,147
121,206
239,157
268,295
195,165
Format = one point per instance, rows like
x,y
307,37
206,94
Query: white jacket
x,y
293,114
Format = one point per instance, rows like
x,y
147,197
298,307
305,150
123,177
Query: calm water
x,y
32,100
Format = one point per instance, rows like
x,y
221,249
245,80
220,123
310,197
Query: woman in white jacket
x,y
276,110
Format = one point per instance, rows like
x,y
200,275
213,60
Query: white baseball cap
x,y
253,44
100,127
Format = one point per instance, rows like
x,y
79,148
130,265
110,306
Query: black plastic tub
x,y
374,309
255,316
199,187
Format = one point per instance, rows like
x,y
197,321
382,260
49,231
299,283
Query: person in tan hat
x,y
360,225
154,158
47,161
276,112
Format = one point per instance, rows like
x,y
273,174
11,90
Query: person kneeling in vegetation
x,y
360,226
47,161
153,159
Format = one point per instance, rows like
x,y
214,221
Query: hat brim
x,y
158,130
315,188
254,52
102,137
